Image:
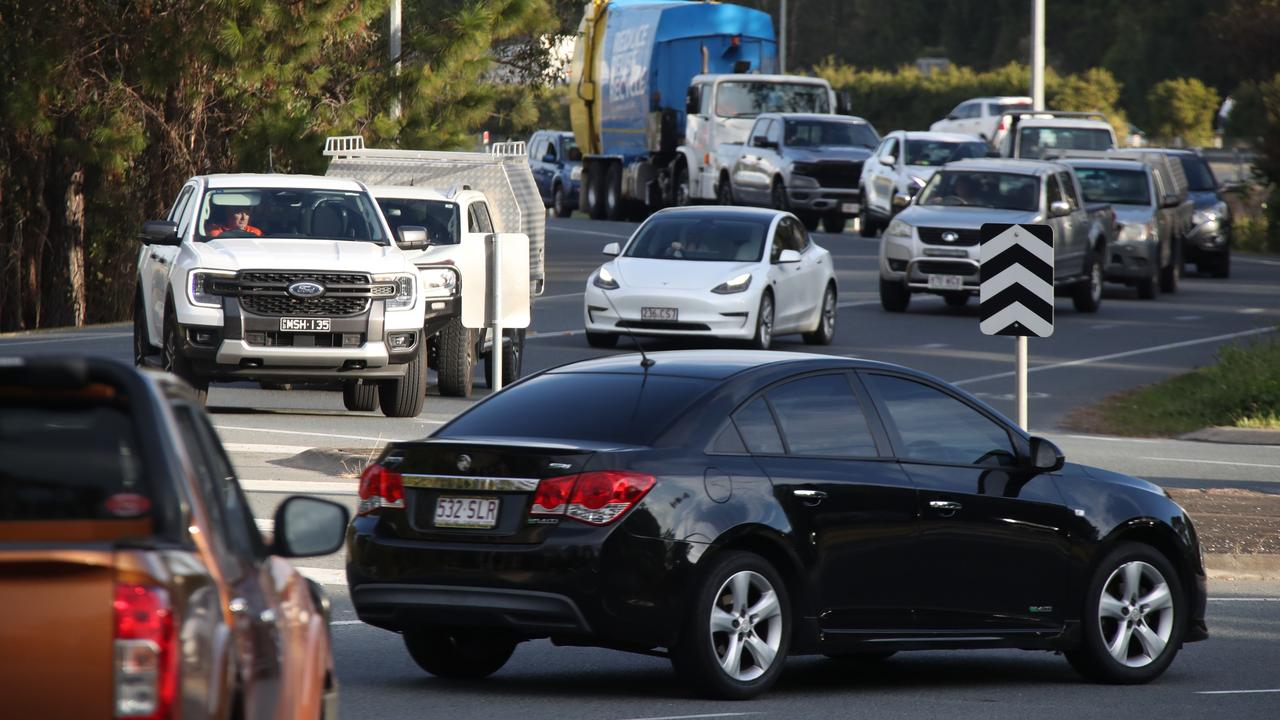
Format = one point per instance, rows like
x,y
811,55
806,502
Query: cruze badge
x,y
306,289
464,462
950,237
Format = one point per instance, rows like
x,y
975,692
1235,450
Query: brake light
x,y
146,658
1004,123
595,498
380,489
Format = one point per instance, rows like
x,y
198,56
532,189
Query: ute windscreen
x,y
70,463
593,407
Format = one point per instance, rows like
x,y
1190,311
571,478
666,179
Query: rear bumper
x,y
524,611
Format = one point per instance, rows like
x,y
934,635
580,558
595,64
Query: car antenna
x,y
646,362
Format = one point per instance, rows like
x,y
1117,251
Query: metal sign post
x,y
495,310
1016,290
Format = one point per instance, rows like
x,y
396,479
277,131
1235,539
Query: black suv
x,y
729,508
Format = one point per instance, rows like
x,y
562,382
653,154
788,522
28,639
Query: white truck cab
x,y
280,279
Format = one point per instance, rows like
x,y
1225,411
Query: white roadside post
x,y
1037,55
1016,290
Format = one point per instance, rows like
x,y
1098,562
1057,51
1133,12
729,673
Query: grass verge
x,y
1242,389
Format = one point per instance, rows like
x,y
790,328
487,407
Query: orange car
x,y
133,580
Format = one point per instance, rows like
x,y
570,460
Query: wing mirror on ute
x,y
1170,201
900,200
1045,456
888,160
412,237
307,526
1058,208
160,232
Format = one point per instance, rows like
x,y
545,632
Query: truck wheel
x,y
592,191
602,340
778,196
681,189
560,203
724,191
1087,294
833,223
457,359
360,396
405,397
177,363
1171,274
613,205
512,357
894,295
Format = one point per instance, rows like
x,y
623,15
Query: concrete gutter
x,y
1234,436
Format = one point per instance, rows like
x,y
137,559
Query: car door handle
x,y
945,506
810,497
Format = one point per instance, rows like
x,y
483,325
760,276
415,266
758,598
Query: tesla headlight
x,y
898,229
576,173
438,281
398,290
604,280
200,290
736,285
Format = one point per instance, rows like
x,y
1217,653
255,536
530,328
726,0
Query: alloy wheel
x,y
1095,282
746,626
829,313
1135,614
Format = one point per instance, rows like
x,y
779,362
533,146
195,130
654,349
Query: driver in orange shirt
x,y
237,219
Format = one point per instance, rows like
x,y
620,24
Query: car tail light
x,y
595,498
380,489
146,653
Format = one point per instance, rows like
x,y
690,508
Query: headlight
x,y
200,289
1209,214
899,229
803,168
438,281
403,297
798,180
736,285
604,280
1134,233
576,173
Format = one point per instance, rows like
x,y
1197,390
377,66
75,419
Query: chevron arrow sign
x,y
1016,280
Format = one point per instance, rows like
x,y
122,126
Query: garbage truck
x,y
452,194
658,86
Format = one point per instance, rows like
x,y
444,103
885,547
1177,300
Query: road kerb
x,y
1242,566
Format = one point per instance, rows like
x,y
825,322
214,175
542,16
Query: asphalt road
x,y
1129,342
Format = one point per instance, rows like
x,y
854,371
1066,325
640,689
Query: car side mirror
x,y
308,526
759,141
953,116
1045,456
1170,200
1058,208
900,201
612,248
160,232
412,237
788,256
889,160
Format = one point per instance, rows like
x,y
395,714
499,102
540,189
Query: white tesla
x,y
724,272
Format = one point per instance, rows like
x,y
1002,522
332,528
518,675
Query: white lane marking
x,y
346,622
1235,599
561,297
254,448
316,434
1257,261
1104,438
555,333
1188,317
934,346
694,717
857,303
1103,326
77,338
589,232
1236,692
265,525
1251,311
300,486
1210,462
1116,356
324,576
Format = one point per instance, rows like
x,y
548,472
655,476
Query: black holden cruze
x,y
731,508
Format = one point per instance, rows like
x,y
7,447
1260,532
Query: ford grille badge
x,y
306,289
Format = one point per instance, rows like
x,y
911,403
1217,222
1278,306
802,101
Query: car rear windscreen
x,y
70,463
597,407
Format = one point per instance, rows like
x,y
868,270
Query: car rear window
x,y
596,407
70,463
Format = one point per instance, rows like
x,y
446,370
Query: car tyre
x,y
593,191
826,330
737,628
870,227
177,363
833,223
894,295
778,195
1221,267
680,189
405,397
560,202
512,358
360,396
1171,275
459,654
602,340
764,324
456,359
956,299
1134,617
142,348
1149,287
1086,296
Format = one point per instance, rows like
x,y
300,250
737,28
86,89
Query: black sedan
x,y
730,508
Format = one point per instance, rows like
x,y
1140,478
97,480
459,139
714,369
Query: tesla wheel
x,y
833,223
826,330
613,203
764,324
956,299
459,654
405,397
1087,294
681,189
894,295
177,363
1133,617
1171,275
457,360
560,203
724,191
737,631
602,340
778,195
141,344
360,397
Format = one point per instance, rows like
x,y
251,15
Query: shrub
x,y
1182,109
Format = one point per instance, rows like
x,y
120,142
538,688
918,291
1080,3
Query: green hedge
x,y
1182,111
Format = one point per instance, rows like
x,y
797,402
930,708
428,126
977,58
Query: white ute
x,y
281,279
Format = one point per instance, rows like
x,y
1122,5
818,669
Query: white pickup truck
x,y
280,279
